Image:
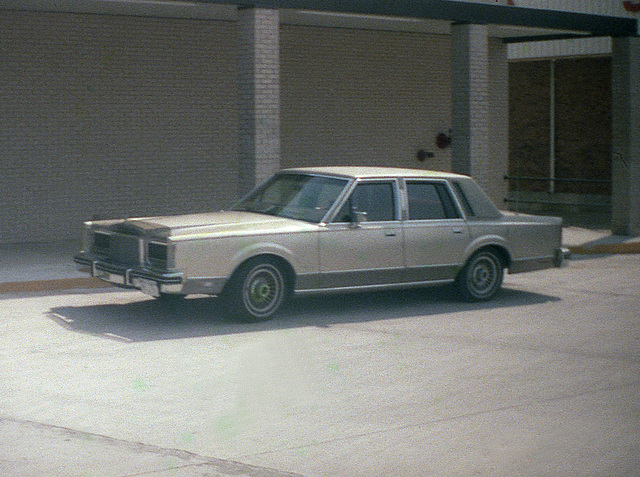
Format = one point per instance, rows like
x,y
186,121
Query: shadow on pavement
x,y
151,320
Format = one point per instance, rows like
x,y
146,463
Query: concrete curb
x,y
609,248
52,285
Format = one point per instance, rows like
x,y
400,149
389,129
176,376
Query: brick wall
x,y
498,121
112,116
259,96
626,136
471,102
115,116
360,97
529,103
582,123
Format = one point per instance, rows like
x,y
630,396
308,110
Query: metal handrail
x,y
551,202
556,179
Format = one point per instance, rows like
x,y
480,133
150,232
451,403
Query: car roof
x,y
362,172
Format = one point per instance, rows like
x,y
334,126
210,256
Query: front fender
x,y
263,248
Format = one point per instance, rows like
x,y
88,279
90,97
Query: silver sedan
x,y
312,230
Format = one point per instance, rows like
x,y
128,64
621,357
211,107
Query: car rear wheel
x,y
257,290
481,277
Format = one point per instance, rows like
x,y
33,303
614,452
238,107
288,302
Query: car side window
x,y
430,201
375,199
463,200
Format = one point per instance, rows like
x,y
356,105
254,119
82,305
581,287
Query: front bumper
x,y
151,282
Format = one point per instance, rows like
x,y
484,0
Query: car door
x,y
435,233
363,244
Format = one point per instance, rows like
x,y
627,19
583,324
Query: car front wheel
x,y
257,290
481,277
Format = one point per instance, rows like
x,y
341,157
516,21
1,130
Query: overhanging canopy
x,y
553,24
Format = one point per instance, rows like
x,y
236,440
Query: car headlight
x,y
159,255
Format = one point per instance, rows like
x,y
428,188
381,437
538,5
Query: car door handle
x,y
457,231
390,234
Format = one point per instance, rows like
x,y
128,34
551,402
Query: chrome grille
x,y
124,249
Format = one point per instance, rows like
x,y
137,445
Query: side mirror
x,y
356,217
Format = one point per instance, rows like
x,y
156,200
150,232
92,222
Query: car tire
x,y
481,277
257,290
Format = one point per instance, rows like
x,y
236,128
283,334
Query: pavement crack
x,y
504,345
222,467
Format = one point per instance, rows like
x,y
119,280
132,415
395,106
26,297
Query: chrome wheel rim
x,y
484,275
263,290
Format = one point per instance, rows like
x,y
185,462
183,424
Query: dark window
x,y
429,201
375,199
463,200
296,196
101,241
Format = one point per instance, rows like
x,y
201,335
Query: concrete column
x,y
625,199
259,95
470,102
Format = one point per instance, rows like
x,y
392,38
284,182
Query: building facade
x,y
560,133
120,108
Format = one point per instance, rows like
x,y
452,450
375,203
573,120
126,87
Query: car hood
x,y
225,223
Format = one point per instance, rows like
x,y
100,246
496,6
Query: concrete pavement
x,y
498,389
44,267
542,381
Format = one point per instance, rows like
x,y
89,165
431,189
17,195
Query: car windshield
x,y
295,196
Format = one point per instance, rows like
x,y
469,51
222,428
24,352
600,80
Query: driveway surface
x,y
542,381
